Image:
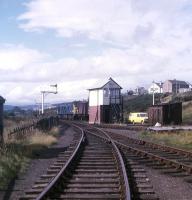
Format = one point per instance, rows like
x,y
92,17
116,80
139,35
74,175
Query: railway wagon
x,y
76,110
170,113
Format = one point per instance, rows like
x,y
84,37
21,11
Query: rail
x,y
138,127
158,146
176,164
160,159
121,164
126,188
57,178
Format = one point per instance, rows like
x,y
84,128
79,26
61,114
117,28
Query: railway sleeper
x,y
96,175
80,184
91,190
139,182
88,196
93,185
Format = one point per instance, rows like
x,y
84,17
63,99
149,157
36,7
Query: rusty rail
x,y
123,127
121,165
157,146
123,172
57,178
176,164
161,159
170,162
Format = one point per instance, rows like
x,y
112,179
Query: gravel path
x,y
166,187
38,166
130,133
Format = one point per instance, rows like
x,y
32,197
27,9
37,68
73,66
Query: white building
x,y
105,103
156,88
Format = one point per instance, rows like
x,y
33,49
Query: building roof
x,y
2,100
159,84
178,82
110,79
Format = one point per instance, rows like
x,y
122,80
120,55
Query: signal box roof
x,y
110,80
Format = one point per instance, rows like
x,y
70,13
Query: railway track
x,y
174,161
135,127
177,159
140,185
92,168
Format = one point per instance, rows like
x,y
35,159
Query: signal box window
x,y
106,92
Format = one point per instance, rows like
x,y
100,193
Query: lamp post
x,y
43,96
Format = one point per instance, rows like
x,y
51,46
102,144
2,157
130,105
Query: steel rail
x,y
55,180
176,164
155,145
124,173
123,127
121,163
144,142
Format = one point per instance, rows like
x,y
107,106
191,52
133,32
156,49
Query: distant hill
x,y
28,107
138,103
25,107
8,107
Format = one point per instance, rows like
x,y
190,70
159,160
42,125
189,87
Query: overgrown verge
x,y
176,139
187,112
15,154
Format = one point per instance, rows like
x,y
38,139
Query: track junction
x,y
103,165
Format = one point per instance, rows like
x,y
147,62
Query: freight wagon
x,y
76,110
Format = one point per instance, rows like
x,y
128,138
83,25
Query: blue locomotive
x,y
76,110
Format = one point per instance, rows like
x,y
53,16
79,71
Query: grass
x,y
12,122
176,139
15,154
42,139
12,161
54,132
187,112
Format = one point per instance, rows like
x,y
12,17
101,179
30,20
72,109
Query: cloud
x,y
109,20
14,57
130,67
135,42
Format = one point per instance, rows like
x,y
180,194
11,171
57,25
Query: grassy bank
x,y
187,112
178,139
15,154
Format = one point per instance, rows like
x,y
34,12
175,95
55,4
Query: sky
x,y
80,44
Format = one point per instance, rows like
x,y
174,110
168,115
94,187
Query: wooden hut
x,y
165,114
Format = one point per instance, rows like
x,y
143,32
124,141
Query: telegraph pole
x,y
43,93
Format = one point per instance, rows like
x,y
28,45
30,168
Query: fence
x,y
43,124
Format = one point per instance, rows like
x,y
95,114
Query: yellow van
x,y
138,117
